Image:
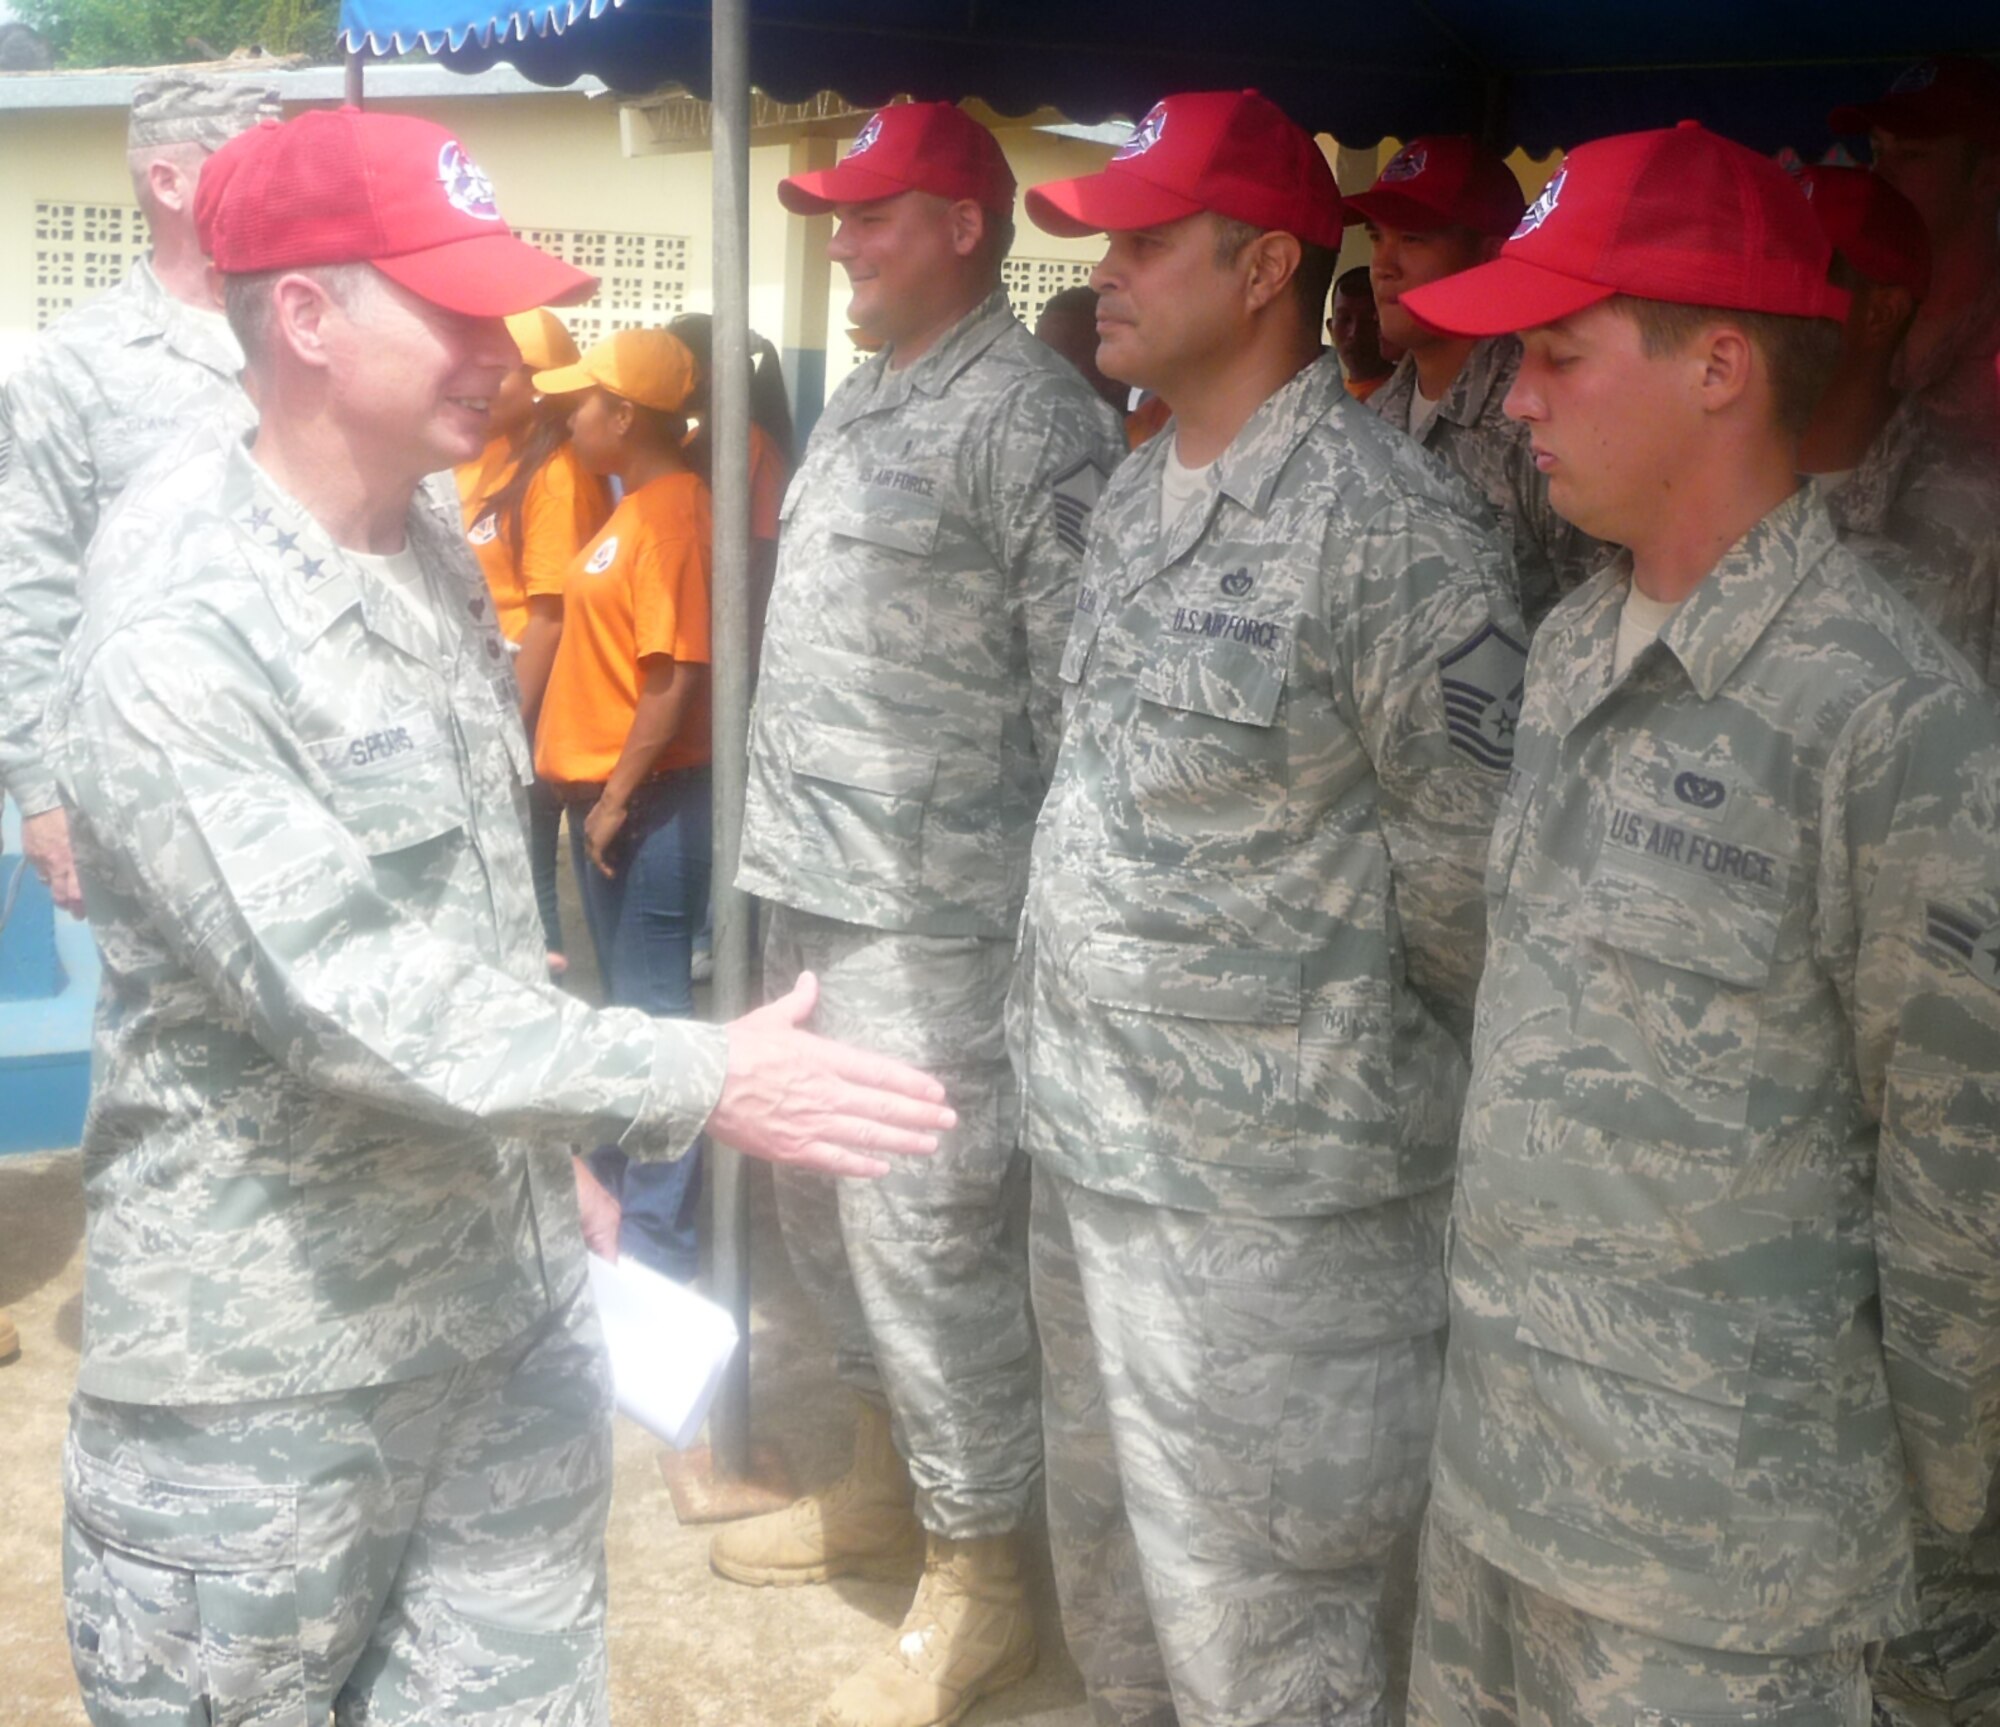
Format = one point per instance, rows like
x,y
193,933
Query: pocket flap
x,y
863,760
1225,679
1666,1338
1694,925
883,516
204,1529
1237,986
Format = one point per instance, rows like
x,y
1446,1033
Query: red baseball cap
x,y
1232,152
1680,215
1872,225
913,147
1444,181
1931,99
340,186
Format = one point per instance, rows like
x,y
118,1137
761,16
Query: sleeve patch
x,y
1974,947
1076,490
1482,680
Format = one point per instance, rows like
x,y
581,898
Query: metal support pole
x,y
729,399
352,93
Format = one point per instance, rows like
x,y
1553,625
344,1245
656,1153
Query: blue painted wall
x,y
48,989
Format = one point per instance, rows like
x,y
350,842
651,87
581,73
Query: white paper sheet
x,y
668,1346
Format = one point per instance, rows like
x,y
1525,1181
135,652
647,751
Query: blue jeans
x,y
642,923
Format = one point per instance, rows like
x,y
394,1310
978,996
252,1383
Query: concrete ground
x,y
687,1649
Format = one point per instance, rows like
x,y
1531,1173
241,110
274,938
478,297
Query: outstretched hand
x,y
795,1098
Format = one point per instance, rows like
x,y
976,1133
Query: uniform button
x,y
476,607
492,649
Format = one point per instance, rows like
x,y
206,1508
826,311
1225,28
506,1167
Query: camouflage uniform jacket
x,y
330,1072
96,396
908,708
1255,913
1472,433
1726,1277
1927,517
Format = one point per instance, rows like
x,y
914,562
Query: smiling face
x,y
1167,309
905,262
410,382
1614,428
1403,259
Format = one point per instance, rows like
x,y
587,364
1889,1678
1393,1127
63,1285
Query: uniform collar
x,y
203,337
310,579
1489,366
1717,625
1247,471
1860,503
882,388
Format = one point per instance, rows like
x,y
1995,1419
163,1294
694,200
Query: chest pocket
x,y
1680,920
394,783
1207,758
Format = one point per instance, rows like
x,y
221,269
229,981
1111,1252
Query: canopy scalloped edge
x,y
549,18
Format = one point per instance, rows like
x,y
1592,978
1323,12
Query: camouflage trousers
x,y
922,1276
423,1552
1947,1673
1492,1652
1237,1414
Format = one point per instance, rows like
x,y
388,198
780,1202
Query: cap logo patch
x,y
466,184
483,531
600,560
1406,165
1144,135
1542,208
1919,77
864,140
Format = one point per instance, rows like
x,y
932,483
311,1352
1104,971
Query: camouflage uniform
x,y
1725,1276
1472,432
326,1192
1927,517
906,721
96,396
1253,922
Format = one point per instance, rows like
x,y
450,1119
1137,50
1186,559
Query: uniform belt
x,y
583,792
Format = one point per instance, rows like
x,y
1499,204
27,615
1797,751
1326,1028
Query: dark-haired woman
x,y
529,507
624,732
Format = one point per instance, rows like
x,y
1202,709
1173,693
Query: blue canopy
x,y
1541,74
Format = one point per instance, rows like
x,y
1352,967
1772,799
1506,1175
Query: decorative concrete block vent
x,y
80,250
643,278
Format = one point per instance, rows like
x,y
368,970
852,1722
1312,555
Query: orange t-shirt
x,y
1145,421
564,506
1362,388
638,591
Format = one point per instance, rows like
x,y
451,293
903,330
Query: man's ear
x,y
623,417
1272,261
1728,361
171,186
1885,313
968,226
302,312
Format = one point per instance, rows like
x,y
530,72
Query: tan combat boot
x,y
969,1634
10,1336
861,1526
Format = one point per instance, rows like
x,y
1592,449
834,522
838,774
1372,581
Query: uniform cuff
x,y
690,1062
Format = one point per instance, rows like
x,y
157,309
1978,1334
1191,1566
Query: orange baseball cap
x,y
911,147
1442,181
543,338
649,367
